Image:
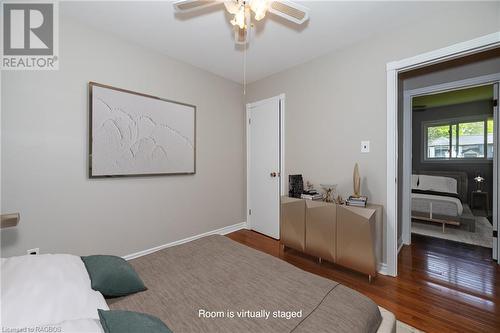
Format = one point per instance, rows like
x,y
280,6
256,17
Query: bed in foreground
x,y
212,284
217,277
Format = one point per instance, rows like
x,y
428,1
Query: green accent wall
x,y
481,93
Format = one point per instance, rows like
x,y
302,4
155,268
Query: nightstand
x,y
484,197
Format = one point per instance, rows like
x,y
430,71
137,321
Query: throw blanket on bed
x,y
235,283
442,194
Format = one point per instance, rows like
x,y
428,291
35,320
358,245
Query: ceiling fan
x,y
242,12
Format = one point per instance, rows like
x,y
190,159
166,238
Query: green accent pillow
x,y
118,321
112,276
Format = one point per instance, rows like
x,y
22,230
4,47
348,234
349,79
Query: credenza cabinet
x,y
346,235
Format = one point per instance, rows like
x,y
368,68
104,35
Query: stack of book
x,y
357,201
311,195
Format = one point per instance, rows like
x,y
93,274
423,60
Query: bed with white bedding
x,y
48,293
440,197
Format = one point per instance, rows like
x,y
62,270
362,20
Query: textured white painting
x,y
134,134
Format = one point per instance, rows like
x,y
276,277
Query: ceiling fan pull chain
x,y
245,53
245,69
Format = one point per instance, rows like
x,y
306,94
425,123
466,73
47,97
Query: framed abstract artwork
x,y
134,134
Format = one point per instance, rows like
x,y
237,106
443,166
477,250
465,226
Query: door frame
x,y
281,102
407,144
393,69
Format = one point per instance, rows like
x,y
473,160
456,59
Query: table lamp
x,y
479,180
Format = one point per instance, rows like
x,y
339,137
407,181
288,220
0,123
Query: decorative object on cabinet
x,y
330,191
309,186
310,193
295,186
360,201
356,181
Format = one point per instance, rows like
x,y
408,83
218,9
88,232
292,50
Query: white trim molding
x,y
382,269
221,231
458,50
393,69
392,167
400,247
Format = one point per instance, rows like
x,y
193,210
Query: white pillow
x,y
437,183
39,290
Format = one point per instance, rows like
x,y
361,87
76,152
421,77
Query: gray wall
x,y
44,153
336,101
485,168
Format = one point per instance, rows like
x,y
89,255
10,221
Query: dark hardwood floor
x,y
442,286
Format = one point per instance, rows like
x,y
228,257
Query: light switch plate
x,y
365,146
34,251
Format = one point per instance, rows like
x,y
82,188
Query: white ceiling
x,y
204,39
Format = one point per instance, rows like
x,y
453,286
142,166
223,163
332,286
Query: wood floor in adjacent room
x,y
442,286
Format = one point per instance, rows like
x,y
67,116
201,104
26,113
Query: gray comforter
x,y
214,284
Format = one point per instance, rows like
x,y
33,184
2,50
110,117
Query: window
x,y
459,139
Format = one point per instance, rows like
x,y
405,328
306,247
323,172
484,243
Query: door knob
x,y
273,174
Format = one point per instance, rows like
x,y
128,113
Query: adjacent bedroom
x,y
233,166
452,179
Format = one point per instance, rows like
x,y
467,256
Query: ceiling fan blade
x,y
289,10
185,6
232,6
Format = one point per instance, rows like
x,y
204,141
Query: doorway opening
x,y
448,139
452,166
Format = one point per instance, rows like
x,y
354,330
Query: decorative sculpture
x,y
330,191
339,200
309,186
356,181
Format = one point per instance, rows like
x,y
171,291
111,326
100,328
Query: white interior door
x,y
496,171
263,174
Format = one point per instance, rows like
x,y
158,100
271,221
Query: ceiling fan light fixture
x,y
259,7
244,11
239,18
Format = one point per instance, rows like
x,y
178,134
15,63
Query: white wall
x,y
334,102
44,153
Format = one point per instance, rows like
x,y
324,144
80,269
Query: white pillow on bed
x,y
39,290
436,183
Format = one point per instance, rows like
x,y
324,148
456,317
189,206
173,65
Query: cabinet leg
x,y
320,260
369,279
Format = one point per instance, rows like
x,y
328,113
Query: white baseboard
x,y
382,269
400,246
221,231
